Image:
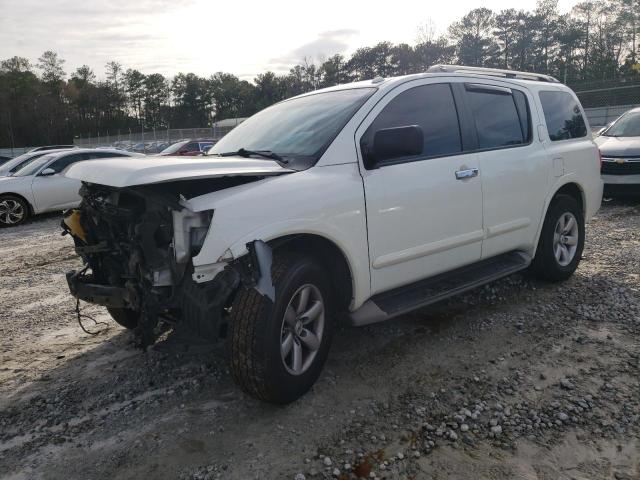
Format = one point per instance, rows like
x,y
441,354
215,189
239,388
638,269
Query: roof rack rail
x,y
493,72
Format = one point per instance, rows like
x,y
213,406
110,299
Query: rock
x,y
497,430
327,461
300,476
566,384
464,427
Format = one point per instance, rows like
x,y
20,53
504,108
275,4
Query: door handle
x,y
468,173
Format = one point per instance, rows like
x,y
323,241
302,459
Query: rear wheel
x,y
277,349
125,317
561,240
13,211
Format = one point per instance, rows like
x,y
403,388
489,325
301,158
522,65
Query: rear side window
x,y
62,163
501,116
563,116
95,155
430,107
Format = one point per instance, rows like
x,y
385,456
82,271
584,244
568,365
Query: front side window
x,y
299,130
500,114
563,116
430,107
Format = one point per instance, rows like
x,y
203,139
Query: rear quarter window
x,y
562,115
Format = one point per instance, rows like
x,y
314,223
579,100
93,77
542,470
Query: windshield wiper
x,y
243,152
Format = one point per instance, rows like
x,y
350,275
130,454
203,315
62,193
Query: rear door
x,y
422,219
515,167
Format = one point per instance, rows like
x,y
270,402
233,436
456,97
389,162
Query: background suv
x,y
620,147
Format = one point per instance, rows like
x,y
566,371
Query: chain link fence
x,y
153,141
605,100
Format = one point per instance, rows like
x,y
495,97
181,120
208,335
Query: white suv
x,y
354,203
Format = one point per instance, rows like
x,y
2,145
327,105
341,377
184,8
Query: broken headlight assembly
x,y
189,232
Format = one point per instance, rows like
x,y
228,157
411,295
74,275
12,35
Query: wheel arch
x,y
574,190
331,256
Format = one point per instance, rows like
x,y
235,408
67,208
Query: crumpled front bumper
x,y
81,287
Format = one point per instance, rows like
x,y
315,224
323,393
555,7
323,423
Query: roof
x,y
230,122
510,76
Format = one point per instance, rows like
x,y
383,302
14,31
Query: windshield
x,y
33,166
17,163
174,148
628,125
301,127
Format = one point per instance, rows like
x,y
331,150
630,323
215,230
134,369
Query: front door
x,y
57,192
424,212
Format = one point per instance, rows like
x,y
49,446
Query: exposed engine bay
x,y
137,244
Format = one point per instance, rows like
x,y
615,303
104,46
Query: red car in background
x,y
189,148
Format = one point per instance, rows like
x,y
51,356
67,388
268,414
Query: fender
x,y
327,202
559,183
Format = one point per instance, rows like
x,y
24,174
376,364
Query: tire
x,y
258,330
547,265
125,317
13,211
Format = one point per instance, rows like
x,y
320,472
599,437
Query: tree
x,y
473,36
156,95
506,32
134,87
52,67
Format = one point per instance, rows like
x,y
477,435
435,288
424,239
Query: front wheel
x,y
561,240
125,317
277,349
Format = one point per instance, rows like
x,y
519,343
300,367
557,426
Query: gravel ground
x,y
516,380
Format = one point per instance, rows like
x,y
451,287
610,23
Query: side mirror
x,y
47,172
396,142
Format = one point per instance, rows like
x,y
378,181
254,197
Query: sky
x,y
243,37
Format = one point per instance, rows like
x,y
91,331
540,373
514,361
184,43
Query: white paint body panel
x,y
421,219
324,201
127,172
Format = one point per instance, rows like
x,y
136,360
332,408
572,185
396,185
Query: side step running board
x,y
425,292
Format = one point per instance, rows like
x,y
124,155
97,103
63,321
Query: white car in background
x,y
10,167
40,185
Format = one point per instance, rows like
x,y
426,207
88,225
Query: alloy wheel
x,y
565,239
302,329
11,211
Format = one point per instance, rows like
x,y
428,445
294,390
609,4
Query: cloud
x,y
91,32
327,44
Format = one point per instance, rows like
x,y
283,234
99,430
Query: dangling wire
x,y
81,315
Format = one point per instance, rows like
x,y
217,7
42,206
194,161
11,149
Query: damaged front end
x,y
137,244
